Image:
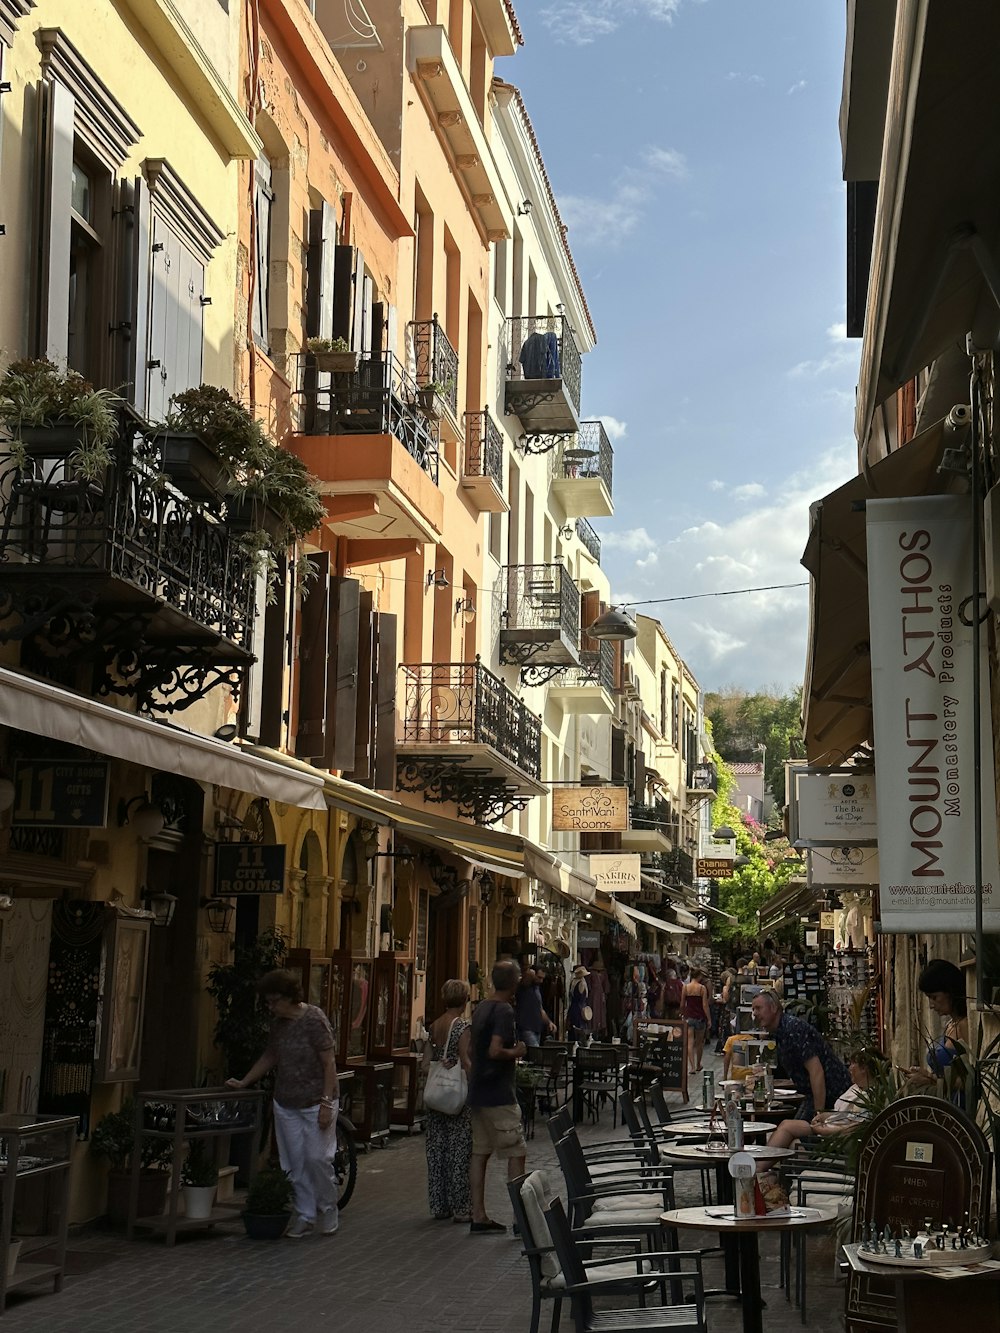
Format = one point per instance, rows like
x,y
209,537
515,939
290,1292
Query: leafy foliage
x,y
741,722
270,1192
242,1028
199,1170
114,1135
38,393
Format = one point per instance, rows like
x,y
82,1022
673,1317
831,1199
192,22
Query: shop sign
x,y
843,866
588,939
834,808
713,867
826,920
618,872
590,809
60,793
925,715
243,868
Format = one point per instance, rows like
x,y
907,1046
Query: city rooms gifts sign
x,y
919,584
590,809
618,872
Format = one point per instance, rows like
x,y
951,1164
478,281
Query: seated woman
x,y
943,984
847,1110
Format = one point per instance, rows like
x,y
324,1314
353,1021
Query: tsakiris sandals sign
x,y
925,715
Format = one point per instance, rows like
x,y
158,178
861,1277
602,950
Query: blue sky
x,y
694,150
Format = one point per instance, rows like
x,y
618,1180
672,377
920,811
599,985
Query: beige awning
x,y
937,197
45,709
623,918
836,699
657,922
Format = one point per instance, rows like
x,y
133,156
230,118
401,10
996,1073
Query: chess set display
x,y
931,1246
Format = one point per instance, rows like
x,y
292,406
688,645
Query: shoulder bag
x,y
446,1088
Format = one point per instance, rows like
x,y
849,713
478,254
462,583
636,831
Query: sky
x,y
694,150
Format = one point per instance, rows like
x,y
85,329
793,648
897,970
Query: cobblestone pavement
x,y
389,1268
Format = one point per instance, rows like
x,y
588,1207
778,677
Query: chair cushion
x,y
641,1217
627,1203
557,1284
534,1198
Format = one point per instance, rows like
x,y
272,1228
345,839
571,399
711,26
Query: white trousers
x,y
306,1152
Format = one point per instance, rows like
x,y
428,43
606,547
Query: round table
x,y
701,1152
746,1232
704,1129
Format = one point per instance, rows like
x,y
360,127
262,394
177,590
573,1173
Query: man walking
x,y
816,1072
489,1050
529,1014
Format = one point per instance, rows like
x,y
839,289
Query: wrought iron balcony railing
x,y
542,347
122,568
589,538
464,703
483,447
436,361
597,667
650,817
543,603
588,455
378,398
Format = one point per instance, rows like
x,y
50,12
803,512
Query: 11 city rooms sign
x,y
925,715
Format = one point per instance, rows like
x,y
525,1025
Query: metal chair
x,y
553,1060
581,1288
597,1075
633,1198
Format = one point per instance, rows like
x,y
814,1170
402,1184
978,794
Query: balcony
x,y
588,539
543,375
539,620
123,573
583,468
590,687
375,452
436,363
702,782
649,833
466,737
482,466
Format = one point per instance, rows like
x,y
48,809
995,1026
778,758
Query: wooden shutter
x,y
175,320
320,271
590,608
385,704
252,696
378,343
263,200
311,737
619,664
364,719
131,343
58,110
271,668
617,755
343,292
345,609
640,776
358,302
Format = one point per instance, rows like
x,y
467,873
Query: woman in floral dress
x,y
449,1137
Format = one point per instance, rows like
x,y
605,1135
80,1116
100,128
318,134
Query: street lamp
x,y
762,748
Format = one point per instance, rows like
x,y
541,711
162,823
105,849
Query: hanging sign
x,y
60,793
925,715
590,809
834,808
243,868
617,872
713,867
847,866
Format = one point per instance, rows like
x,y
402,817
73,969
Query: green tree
x,y
742,723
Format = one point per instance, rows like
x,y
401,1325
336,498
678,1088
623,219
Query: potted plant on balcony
x,y
53,413
113,1138
431,396
333,355
199,1179
268,1206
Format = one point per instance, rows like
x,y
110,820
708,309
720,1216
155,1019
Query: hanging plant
x,y
51,412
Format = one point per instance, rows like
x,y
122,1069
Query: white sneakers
x,y
329,1221
298,1228
328,1224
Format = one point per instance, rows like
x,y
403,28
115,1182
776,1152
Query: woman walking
x,y
694,1008
449,1137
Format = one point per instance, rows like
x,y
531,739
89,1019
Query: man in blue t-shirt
x,y
489,1050
529,1013
816,1071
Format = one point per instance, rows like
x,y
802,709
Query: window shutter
x,y
619,664
378,343
358,316
271,667
131,349
190,335
345,608
390,330
263,199
640,776
343,292
175,320
590,608
58,109
385,704
313,665
617,756
320,271
364,720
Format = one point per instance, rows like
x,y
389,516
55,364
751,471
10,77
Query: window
x,y
89,189
675,716
496,536
262,207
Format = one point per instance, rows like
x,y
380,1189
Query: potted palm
x,y
333,355
52,413
268,1205
113,1138
199,1179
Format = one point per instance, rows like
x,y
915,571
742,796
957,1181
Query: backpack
x,y
673,991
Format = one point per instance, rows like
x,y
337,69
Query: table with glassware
x,y
746,1233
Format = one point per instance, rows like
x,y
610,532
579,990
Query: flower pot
x,y
55,440
265,1226
13,1254
429,403
192,466
198,1201
248,513
152,1194
336,363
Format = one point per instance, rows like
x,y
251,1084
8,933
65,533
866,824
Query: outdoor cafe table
x,y
746,1232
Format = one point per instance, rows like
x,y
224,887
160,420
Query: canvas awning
x,y
657,922
44,709
836,699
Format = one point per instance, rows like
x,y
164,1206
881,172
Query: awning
x,y
44,709
684,918
657,922
623,919
796,898
937,193
836,699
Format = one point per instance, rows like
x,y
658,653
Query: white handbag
x,y
446,1088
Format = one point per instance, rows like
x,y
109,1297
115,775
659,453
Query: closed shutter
x,y
385,704
270,669
364,721
58,109
262,204
311,737
640,776
358,341
343,292
131,347
345,608
253,681
378,328
617,756
590,608
175,320
320,271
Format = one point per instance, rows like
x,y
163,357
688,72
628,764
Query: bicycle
x,y
345,1160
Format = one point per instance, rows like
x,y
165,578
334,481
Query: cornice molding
x,y
175,203
99,120
11,12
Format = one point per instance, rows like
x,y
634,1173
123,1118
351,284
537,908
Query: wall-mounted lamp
x,y
7,792
6,903
161,904
437,578
560,307
567,532
142,815
724,833
486,886
227,732
524,208
219,912
511,898
465,606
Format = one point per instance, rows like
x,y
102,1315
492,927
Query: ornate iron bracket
x,y
538,444
543,674
518,652
477,794
161,684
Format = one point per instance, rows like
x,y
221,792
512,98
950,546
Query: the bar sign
x,y
61,793
243,868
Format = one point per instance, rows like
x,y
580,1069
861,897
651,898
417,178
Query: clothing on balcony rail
x,y
540,356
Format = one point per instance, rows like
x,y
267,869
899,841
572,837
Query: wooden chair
x,y
581,1288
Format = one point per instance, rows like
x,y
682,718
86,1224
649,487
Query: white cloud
x,y
756,638
584,21
752,490
616,429
666,162
716,485
737,76
797,87
609,218
840,353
